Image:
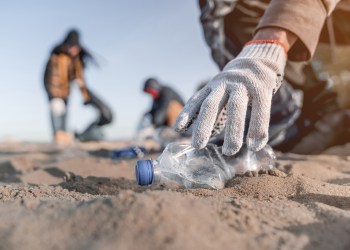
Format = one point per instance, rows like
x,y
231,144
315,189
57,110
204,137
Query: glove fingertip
x,y
181,122
256,145
180,129
230,152
231,149
199,143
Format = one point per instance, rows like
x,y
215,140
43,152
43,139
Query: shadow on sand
x,y
103,186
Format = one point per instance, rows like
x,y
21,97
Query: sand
x,y
76,198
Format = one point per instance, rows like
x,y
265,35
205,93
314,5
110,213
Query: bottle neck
x,y
156,172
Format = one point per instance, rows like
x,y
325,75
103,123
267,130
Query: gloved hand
x,y
249,79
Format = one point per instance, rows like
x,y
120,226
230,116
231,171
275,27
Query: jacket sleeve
x,y
81,81
50,75
304,18
212,17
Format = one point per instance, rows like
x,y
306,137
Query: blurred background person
x,y
66,64
157,124
124,61
167,103
155,130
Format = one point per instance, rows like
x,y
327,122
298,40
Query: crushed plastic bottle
x,y
205,168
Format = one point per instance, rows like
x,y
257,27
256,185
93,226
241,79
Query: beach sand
x,y
77,198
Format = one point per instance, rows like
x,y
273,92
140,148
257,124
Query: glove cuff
x,y
269,51
269,41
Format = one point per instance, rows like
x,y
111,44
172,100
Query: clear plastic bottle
x,y
205,168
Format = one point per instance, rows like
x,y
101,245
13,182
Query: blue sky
x,y
132,40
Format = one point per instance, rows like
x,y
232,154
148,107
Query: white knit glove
x,y
249,79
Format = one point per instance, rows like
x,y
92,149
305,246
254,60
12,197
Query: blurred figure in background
x,y
155,129
66,65
167,104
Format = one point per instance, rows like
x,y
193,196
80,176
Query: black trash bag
x,y
93,132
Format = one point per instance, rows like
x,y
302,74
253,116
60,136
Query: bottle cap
x,y
144,172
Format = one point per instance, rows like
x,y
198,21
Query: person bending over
x,y
252,42
167,104
66,65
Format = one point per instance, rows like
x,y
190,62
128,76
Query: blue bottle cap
x,y
144,172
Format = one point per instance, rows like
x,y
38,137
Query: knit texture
x,y
249,79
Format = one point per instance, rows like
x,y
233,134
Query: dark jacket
x,y
166,107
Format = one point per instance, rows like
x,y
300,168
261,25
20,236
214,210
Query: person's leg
x,y
58,114
331,130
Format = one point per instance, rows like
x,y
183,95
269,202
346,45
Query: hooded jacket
x,y
62,69
166,107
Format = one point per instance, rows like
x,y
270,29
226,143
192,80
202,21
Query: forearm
x,y
285,37
84,91
303,18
